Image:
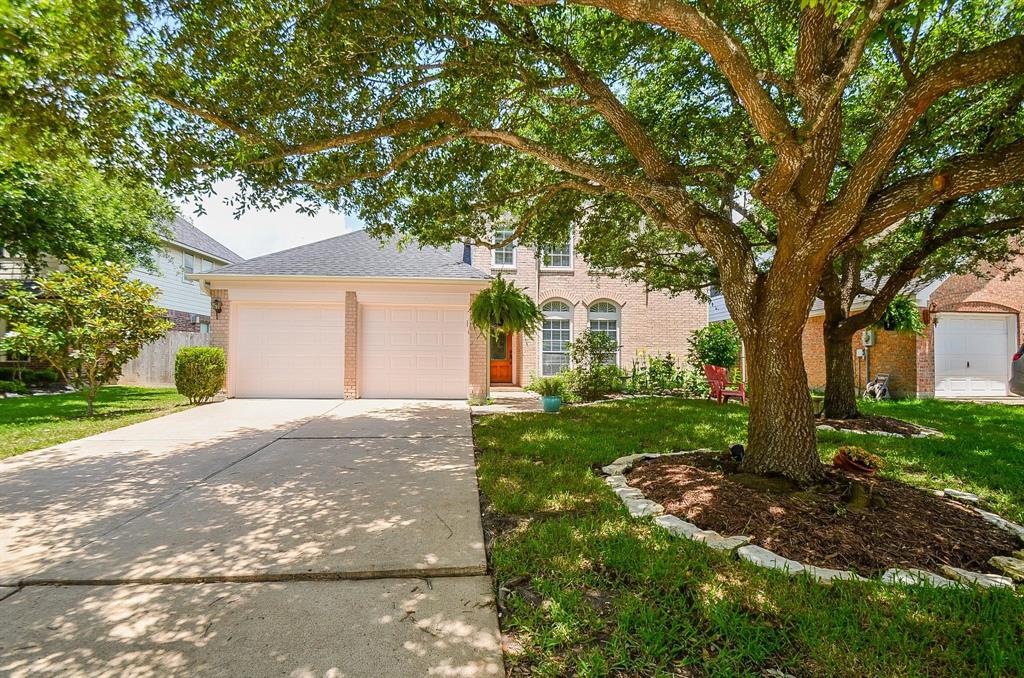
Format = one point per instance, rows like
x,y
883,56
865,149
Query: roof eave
x,y
243,277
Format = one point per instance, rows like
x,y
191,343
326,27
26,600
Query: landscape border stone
x,y
739,545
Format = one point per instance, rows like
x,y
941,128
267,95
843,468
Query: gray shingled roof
x,y
357,255
192,238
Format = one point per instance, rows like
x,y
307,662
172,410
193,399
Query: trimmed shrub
x,y
717,344
199,372
12,387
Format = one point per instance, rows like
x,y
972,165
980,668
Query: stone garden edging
x,y
640,506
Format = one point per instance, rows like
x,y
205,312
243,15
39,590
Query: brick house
x,y
351,317
972,329
572,298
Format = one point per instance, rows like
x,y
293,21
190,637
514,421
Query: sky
x,y
259,232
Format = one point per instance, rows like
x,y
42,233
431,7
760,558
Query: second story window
x,y
188,264
504,256
558,257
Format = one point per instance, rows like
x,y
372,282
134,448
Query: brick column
x,y
479,367
351,346
219,321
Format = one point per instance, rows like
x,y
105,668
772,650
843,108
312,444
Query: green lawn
x,y
39,421
617,596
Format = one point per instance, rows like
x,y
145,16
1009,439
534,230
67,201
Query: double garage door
x,y
973,353
298,351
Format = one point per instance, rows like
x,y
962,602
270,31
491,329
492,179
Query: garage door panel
x,y
414,352
972,354
289,351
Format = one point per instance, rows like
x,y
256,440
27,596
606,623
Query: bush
x,y
657,375
41,377
593,374
717,344
547,386
199,372
13,387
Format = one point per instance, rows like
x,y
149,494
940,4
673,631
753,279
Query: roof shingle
x,y
357,255
191,237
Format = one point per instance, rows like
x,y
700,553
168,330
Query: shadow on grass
x,y
676,606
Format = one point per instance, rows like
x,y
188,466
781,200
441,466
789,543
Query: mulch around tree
x,y
909,527
873,423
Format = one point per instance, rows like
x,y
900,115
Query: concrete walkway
x,y
251,537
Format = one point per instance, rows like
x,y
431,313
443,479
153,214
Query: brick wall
x,y
986,293
893,352
351,346
479,368
219,322
183,321
653,322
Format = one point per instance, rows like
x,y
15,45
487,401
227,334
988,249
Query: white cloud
x,y
259,232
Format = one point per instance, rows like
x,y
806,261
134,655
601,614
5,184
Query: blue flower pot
x,y
551,403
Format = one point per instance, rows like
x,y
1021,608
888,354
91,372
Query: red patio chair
x,y
721,388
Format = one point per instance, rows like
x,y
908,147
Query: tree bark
x,y
840,386
781,434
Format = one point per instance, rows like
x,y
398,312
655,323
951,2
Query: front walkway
x,y
251,537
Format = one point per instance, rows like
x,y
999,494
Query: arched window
x,y
556,332
604,319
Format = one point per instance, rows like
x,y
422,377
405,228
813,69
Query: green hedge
x,y
27,376
199,372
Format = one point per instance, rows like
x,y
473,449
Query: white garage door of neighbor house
x,y
283,351
972,354
414,352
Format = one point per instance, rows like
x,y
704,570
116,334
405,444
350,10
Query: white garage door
x,y
414,352
972,354
288,351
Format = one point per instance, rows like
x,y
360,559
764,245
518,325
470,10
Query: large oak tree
x,y
661,119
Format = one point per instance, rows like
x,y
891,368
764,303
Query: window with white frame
x,y
604,319
556,332
558,257
188,264
504,256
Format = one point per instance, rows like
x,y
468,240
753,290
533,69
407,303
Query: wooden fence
x,y
155,365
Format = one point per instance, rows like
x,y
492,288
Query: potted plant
x,y
504,309
550,390
857,460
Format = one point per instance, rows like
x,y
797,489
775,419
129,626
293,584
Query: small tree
x,y
85,322
717,344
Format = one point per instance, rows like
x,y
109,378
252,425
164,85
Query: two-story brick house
x,y
352,317
573,298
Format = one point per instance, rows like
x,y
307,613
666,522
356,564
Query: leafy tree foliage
x,y
503,309
86,322
717,344
48,209
769,138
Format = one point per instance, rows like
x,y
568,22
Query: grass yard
x,y
610,595
40,421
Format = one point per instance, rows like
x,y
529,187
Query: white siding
x,y
717,310
176,293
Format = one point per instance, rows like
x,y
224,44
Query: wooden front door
x,y
501,359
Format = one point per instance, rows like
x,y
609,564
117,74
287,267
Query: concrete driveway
x,y
251,537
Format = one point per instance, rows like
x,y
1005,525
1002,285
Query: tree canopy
x,y
49,209
656,121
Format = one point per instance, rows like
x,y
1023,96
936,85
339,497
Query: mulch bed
x,y
909,528
873,423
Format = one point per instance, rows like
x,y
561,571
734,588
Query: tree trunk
x,y
840,382
781,435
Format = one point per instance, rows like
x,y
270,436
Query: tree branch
x,y
997,61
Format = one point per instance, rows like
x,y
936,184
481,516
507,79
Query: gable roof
x,y
357,255
190,237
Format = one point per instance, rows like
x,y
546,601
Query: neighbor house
x,y
349,317
972,329
184,250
